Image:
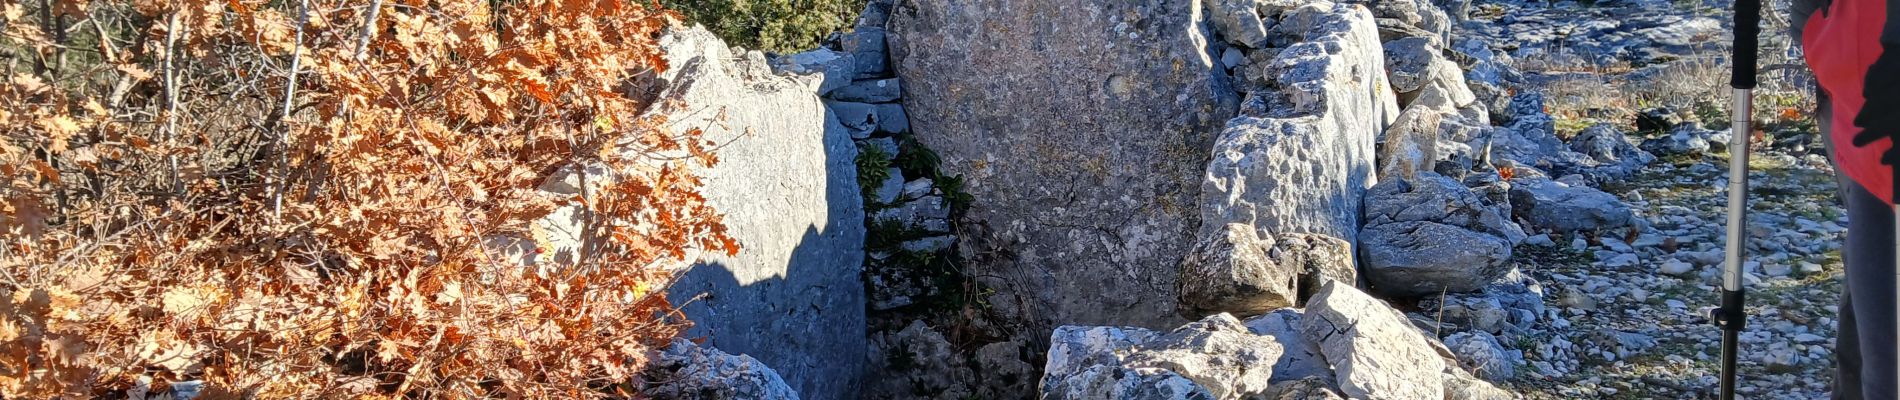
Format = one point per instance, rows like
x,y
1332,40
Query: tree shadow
x,y
792,300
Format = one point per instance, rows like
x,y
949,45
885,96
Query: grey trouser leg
x,y
1870,281
1865,349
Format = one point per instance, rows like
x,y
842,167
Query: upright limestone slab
x,y
1301,155
1081,129
788,188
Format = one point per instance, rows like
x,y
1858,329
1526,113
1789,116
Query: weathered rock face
x,y
1219,355
1481,354
1411,144
1374,352
1302,155
1303,389
1242,273
1232,272
1433,234
1300,358
1112,383
1561,207
685,371
1081,170
788,188
919,363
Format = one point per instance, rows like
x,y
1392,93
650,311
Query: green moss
x,y
773,25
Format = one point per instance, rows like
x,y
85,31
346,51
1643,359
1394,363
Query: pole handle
x,y
1746,43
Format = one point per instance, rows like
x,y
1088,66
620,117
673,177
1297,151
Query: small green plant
x,y
1713,116
952,187
874,166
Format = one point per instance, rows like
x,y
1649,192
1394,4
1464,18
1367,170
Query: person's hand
x,y
1880,117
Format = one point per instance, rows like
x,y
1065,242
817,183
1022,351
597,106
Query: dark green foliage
x,y
873,168
916,159
773,25
1712,114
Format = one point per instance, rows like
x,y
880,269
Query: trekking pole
x,y
1730,316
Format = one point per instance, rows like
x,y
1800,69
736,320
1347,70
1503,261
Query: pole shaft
x,y
1730,317
1737,190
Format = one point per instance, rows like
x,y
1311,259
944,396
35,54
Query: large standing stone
x,y
1433,234
1375,353
1081,166
1302,157
788,188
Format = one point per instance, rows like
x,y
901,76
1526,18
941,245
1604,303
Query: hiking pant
x,y
1865,349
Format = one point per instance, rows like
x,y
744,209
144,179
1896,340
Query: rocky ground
x,y
1626,311
1628,318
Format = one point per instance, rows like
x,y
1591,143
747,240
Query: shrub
x,y
774,25
305,198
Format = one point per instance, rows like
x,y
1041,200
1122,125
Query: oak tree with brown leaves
x,y
304,198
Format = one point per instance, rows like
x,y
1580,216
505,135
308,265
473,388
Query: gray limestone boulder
x,y
1460,385
1232,272
1116,136
1073,349
1513,304
685,371
1303,389
1411,144
1218,353
1419,13
1300,159
1299,358
868,49
1409,62
1611,154
870,91
1239,22
837,68
1237,271
1560,207
1686,139
1433,234
1375,353
1481,354
787,185
1103,382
